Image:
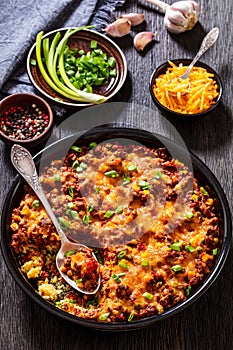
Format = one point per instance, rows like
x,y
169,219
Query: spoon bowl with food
x,y
76,262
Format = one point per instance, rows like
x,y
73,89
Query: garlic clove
x,y
134,18
118,28
142,39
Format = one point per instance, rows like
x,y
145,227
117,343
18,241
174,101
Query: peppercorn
x,y
23,122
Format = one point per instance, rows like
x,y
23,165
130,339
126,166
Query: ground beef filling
x,y
154,229
82,267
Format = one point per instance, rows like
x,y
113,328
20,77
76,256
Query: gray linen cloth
x,y
22,20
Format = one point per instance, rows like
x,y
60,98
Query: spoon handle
x,y
207,42
24,164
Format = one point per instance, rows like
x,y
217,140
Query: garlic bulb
x,y
142,39
118,28
134,18
180,16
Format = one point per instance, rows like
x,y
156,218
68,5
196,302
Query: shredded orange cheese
x,y
193,95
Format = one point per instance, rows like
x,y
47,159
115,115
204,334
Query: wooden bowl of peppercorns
x,y
25,119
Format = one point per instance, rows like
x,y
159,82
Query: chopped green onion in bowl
x,y
76,66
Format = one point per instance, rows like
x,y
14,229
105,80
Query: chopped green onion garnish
x,y
78,280
98,51
126,180
98,256
71,191
176,246
189,248
109,213
72,301
144,185
188,290
215,251
190,215
112,62
116,276
76,149
121,254
90,208
145,262
131,167
68,212
63,223
111,173
74,215
87,219
92,145
147,295
119,209
158,174
131,316
83,165
56,177
97,190
113,72
123,265
70,205
70,252
177,268
79,169
36,203
33,62
93,44
104,316
75,164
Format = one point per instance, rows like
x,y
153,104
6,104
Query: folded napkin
x,y
22,20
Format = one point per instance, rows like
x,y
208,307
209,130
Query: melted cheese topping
x,y
155,230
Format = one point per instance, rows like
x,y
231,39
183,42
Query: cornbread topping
x,y
154,228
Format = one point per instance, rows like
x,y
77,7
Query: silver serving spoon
x,y
207,42
24,164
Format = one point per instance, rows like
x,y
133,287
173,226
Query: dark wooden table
x,y
207,324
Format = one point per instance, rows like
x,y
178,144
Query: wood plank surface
x,y
207,324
